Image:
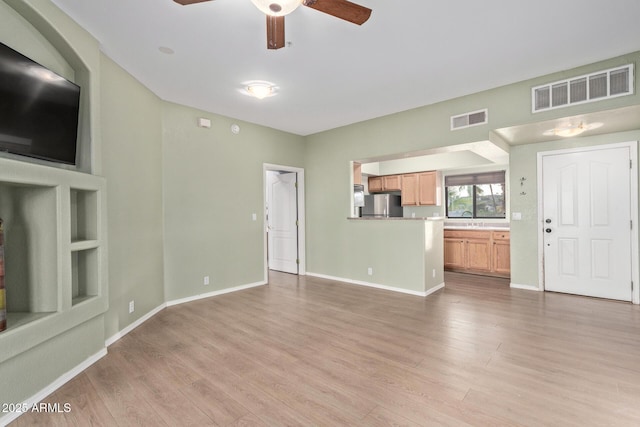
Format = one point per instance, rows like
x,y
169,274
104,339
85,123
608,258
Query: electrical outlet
x,y
132,306
206,280
370,271
433,273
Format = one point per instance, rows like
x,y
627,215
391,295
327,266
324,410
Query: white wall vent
x,y
473,118
586,88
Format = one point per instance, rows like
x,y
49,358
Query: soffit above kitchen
x,y
460,156
609,121
333,73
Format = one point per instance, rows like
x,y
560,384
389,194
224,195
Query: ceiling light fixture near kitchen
x,y
259,89
166,50
277,7
572,130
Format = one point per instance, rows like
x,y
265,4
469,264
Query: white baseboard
x,y
525,287
378,286
215,293
434,289
115,337
62,380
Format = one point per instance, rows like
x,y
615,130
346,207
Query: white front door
x,y
587,223
282,222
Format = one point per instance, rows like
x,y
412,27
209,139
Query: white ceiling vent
x,y
473,118
587,88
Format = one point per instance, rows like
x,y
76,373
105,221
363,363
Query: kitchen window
x,y
477,195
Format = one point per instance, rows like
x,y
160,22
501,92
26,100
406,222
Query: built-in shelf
x,y
84,274
17,319
82,245
84,208
30,222
55,257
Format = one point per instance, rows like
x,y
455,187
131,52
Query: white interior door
x,y
587,217
282,217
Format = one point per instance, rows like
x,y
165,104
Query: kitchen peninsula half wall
x,y
399,254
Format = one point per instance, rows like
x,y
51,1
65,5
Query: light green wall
x,y
132,164
213,183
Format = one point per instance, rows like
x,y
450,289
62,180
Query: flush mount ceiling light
x,y
277,7
572,129
259,89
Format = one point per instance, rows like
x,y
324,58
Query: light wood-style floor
x,y
312,352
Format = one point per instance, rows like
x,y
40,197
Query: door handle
x,y
548,230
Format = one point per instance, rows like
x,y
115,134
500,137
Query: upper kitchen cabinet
x,y
392,182
375,184
421,189
378,184
357,173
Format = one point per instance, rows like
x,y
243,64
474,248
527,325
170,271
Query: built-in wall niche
x,y
83,217
29,214
84,275
84,208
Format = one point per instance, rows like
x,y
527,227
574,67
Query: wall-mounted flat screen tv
x,y
38,110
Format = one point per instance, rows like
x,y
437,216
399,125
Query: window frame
x,y
474,180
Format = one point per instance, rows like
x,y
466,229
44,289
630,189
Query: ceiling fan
x,y
277,9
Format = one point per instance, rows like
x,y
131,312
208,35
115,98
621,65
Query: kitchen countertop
x,y
395,218
475,228
488,227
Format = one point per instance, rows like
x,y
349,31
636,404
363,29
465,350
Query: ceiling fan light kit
x,y
275,11
277,7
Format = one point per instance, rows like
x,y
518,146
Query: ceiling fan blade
x,y
187,2
342,9
275,32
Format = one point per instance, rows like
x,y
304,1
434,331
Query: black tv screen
x,y
38,110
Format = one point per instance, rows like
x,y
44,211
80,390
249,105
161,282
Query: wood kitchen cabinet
x,y
392,182
378,184
357,173
479,255
375,184
477,251
501,252
409,191
454,253
421,189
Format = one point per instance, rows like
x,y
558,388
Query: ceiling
x,y
410,53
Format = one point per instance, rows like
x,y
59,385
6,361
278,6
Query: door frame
x,y
302,269
633,188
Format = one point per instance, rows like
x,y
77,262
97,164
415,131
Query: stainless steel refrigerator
x,y
382,205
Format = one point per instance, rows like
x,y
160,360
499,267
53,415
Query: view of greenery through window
x,y
476,201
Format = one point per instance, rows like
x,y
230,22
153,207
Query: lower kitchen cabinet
x,y
501,252
477,251
454,253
